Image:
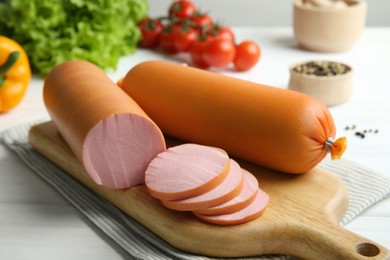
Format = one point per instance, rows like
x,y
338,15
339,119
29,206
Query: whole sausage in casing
x,y
277,128
107,131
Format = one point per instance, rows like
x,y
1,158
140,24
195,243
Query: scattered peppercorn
x,y
322,68
361,134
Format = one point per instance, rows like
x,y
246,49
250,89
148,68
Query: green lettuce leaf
x,y
55,31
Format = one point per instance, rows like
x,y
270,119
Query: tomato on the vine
x,y
202,21
167,40
209,44
197,55
219,53
182,9
185,39
225,33
175,26
150,31
197,51
247,55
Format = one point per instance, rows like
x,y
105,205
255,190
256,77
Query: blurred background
x,y
265,12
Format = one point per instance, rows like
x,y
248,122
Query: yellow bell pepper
x,y
15,73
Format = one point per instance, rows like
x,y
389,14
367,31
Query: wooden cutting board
x,y
300,219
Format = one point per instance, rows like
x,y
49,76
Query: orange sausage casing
x,y
107,131
276,128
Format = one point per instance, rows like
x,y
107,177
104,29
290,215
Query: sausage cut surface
x,y
228,189
107,131
243,199
118,149
186,171
252,211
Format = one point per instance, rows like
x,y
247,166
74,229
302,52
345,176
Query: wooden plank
x,y
300,220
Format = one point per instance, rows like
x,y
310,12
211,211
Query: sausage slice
x,y
185,171
227,190
243,199
252,211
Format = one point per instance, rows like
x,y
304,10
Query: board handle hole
x,y
367,249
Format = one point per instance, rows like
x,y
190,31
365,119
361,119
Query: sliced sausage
x,y
227,190
108,132
252,211
243,199
185,171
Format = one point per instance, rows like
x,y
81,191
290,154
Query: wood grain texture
x,y
300,220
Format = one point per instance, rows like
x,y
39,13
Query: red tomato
x,y
176,26
150,30
185,39
197,53
167,40
247,55
219,53
225,33
202,20
182,9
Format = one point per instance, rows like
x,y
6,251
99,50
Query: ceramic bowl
x,y
328,29
331,90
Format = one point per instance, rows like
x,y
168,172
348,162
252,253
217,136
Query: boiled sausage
x,y
229,188
252,211
243,199
108,132
276,128
185,171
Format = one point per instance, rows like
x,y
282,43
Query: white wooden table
x,y
37,223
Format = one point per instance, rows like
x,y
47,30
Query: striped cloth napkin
x,y
364,186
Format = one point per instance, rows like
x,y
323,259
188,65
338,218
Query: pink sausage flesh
x,y
186,171
252,211
119,148
227,190
243,199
